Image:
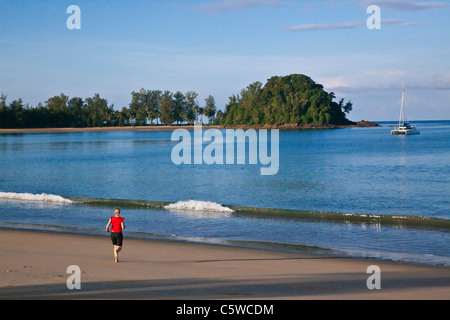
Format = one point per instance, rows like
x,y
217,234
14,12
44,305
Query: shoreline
x,y
35,264
96,129
360,124
320,251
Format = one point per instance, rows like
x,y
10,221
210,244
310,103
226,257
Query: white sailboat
x,y
404,127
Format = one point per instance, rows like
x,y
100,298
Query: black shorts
x,y
117,238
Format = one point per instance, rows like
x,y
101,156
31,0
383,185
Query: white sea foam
x,y
33,197
429,259
195,205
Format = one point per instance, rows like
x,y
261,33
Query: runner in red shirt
x,y
116,232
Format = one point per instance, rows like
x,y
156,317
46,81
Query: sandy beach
x,y
188,127
97,129
34,264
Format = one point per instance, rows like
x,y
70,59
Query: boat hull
x,y
404,132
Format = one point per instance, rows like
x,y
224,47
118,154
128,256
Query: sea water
x,y
346,191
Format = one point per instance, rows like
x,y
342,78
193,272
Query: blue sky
x,y
219,47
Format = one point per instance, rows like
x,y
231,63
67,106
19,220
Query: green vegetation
x,y
146,108
293,99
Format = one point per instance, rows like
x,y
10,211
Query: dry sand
x,y
33,265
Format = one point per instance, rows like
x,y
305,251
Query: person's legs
x,y
118,238
116,256
115,244
116,253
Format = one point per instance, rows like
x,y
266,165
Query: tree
x,y
153,111
190,112
39,117
166,103
118,119
219,117
107,114
77,112
199,111
178,107
210,108
97,109
3,100
139,107
17,111
348,107
125,115
57,106
5,114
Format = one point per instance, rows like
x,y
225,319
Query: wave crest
x,y
33,197
195,205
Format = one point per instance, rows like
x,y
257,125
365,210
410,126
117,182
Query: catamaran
x,y
404,127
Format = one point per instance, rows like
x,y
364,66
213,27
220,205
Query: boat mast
x,y
402,110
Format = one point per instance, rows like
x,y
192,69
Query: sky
x,y
219,47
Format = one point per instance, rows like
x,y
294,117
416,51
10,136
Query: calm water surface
x,y
354,170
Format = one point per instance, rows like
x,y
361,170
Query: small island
x,y
292,100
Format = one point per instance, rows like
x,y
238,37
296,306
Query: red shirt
x,y
116,224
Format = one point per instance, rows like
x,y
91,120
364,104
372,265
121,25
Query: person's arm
x,y
107,226
123,226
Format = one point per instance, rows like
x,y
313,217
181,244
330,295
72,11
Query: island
x,y
290,102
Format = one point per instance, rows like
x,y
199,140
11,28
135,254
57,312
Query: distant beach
x,y
97,129
189,127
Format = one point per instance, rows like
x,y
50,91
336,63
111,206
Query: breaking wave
x,y
195,205
33,197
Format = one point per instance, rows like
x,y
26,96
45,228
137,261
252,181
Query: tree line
x,y
292,99
147,107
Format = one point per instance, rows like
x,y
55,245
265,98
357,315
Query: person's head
x,y
117,212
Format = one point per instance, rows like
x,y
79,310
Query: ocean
x,y
357,192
